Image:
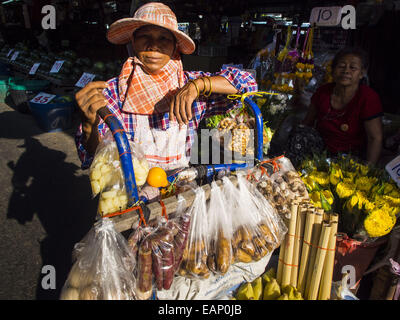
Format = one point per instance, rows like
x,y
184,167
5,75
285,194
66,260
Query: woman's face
x,y
348,71
153,46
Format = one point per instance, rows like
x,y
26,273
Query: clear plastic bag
x,y
105,170
194,261
272,224
249,242
220,221
159,250
106,176
104,266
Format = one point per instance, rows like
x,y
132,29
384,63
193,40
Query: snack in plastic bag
x,y
105,170
104,266
272,226
160,251
220,221
248,242
194,262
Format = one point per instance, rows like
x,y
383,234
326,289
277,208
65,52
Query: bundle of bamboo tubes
x,y
307,254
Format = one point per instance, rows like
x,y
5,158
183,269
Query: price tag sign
x,y
85,79
9,52
326,16
34,68
393,168
14,56
43,98
57,66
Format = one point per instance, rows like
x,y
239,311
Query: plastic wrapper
x,y
159,250
106,176
194,262
249,240
104,266
273,226
219,246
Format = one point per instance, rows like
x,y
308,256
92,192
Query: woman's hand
x,y
89,100
181,104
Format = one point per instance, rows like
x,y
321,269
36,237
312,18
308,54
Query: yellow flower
x,y
395,193
368,205
362,198
365,183
349,175
329,196
363,169
335,175
379,223
315,196
320,177
345,190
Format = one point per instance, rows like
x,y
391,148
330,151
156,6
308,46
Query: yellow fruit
x,y
157,177
245,292
257,288
272,290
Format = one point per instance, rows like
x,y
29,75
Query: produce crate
x,y
53,117
21,91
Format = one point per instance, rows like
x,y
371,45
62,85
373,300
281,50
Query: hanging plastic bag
x,y
219,246
249,241
194,262
105,170
104,266
160,251
271,223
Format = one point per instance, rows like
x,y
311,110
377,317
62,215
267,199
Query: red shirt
x,y
343,130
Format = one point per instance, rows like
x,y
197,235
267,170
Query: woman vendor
x,y
347,113
155,100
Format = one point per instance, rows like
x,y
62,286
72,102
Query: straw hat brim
x,y
120,32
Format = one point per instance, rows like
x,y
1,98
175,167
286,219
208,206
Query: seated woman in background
x,y
347,113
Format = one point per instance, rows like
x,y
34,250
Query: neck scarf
x,y
145,93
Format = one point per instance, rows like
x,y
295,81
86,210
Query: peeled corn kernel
x,y
95,174
95,186
109,194
103,209
105,168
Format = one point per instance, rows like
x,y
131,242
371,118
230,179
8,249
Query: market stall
x,y
276,219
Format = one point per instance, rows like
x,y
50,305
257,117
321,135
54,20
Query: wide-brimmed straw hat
x,y
153,13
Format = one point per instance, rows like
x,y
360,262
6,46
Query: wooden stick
x,y
298,241
316,233
305,251
289,245
316,270
280,261
327,273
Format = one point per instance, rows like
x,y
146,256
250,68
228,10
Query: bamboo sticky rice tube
x,y
288,256
280,261
316,270
298,241
316,233
305,251
327,273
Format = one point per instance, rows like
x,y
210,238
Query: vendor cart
x,y
138,207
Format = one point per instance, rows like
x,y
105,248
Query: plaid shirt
x,y
202,107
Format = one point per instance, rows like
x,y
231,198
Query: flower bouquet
x,y
367,201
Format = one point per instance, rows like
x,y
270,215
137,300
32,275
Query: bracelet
x,y
204,86
197,88
210,91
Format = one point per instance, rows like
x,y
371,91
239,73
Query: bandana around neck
x,y
144,93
